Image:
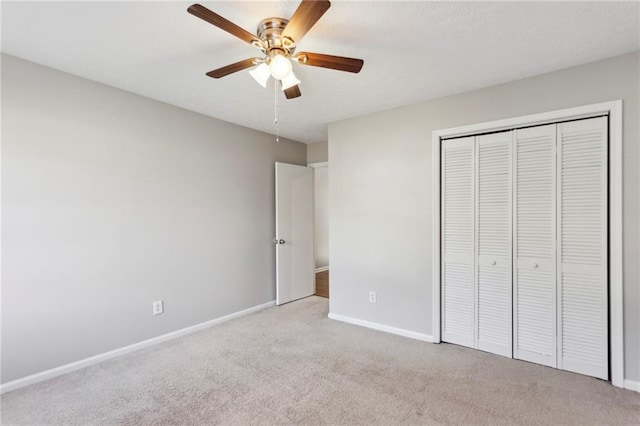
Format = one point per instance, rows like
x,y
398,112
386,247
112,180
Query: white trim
x,y
550,117
318,165
321,269
614,110
437,243
68,368
381,327
616,278
632,385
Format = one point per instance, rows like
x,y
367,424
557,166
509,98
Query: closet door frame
x,y
613,110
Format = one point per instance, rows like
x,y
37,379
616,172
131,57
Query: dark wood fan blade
x,y
230,69
222,23
305,17
292,92
329,61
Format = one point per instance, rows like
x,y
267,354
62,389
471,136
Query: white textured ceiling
x,y
412,51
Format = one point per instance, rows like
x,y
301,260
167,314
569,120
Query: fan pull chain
x,y
275,105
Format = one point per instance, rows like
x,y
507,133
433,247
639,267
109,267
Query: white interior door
x,y
534,248
294,232
536,290
493,243
582,255
458,287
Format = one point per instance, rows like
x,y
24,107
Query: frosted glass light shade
x,y
289,81
280,67
261,74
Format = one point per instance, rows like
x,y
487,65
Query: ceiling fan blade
x,y
305,17
222,23
230,69
339,63
292,92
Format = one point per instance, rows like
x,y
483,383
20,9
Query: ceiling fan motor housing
x,y
270,31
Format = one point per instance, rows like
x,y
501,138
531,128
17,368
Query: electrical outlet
x,y
372,297
158,307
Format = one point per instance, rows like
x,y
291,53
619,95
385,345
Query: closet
x,y
524,244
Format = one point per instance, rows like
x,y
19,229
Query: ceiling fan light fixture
x,y
289,81
261,74
280,67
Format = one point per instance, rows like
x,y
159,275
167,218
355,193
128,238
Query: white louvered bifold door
x,y
493,243
582,243
457,203
534,215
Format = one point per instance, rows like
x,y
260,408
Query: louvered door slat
x,y
493,236
534,274
582,255
458,299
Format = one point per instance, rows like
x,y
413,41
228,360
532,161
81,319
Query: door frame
x,y
614,110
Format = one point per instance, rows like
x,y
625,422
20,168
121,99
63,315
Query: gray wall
x,y
380,194
317,152
111,201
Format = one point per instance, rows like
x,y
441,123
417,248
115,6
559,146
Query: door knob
x,y
281,242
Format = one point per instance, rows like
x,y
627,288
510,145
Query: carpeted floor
x,y
292,365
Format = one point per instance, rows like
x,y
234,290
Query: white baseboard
x,y
321,269
632,385
68,368
382,327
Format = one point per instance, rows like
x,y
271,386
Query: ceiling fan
x,y
277,39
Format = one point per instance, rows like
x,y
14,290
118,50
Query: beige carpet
x,y
292,365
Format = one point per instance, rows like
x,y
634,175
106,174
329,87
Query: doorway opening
x,y
321,227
